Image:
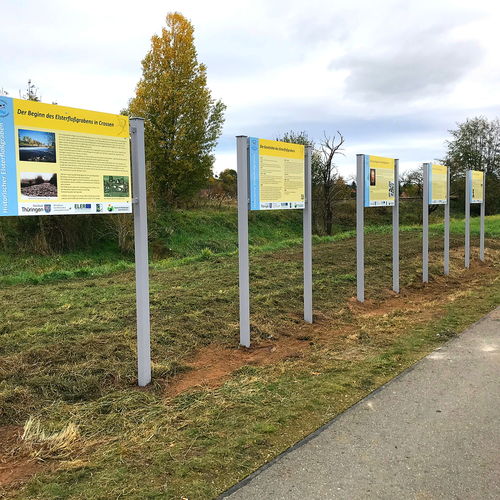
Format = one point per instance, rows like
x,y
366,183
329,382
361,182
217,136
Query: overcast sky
x,y
392,76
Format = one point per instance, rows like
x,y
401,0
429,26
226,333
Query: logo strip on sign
x,y
254,174
8,183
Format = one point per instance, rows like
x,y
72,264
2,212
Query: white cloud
x,y
393,76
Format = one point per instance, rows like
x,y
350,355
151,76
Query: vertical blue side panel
x,y
429,183
254,173
367,179
8,175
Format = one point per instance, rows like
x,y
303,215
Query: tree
x,y
329,185
31,93
475,145
182,121
228,179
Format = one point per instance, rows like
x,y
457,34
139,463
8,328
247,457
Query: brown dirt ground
x,y
16,466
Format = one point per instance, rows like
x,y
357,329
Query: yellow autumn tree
x,y
182,120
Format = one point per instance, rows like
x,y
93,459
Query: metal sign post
x,y
243,259
425,225
360,229
141,251
468,188
307,234
395,230
447,226
483,210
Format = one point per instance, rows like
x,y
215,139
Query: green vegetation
x,y
182,120
187,236
67,355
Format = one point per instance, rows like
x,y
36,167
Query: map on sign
x,y
277,179
476,186
379,181
56,160
438,185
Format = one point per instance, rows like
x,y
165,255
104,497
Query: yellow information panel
x,y
438,185
61,160
379,181
277,178
476,186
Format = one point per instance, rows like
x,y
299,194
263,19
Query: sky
x,y
392,76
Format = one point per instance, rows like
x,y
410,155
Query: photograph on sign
x,y
476,186
276,175
438,184
379,181
58,160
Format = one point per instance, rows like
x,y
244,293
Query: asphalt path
x,y
431,433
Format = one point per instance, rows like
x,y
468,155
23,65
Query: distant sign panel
x,y
476,186
56,160
379,181
276,175
438,185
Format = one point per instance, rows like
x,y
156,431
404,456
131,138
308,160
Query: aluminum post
x,y
483,211
468,181
141,252
425,225
243,258
447,225
395,230
307,228
360,236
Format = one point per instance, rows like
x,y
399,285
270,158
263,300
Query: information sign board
x,y
476,186
379,181
438,185
276,175
56,160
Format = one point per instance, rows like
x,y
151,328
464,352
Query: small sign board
x,y
476,186
438,184
56,160
379,181
277,178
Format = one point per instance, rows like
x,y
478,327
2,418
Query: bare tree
x,y
31,93
328,184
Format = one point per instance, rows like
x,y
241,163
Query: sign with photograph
x,y
277,179
438,185
56,160
476,186
379,181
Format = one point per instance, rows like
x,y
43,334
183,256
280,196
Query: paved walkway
x,y
431,433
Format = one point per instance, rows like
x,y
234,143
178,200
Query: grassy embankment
x,y
67,357
190,236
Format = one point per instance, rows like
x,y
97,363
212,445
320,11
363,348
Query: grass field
x,y
215,412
